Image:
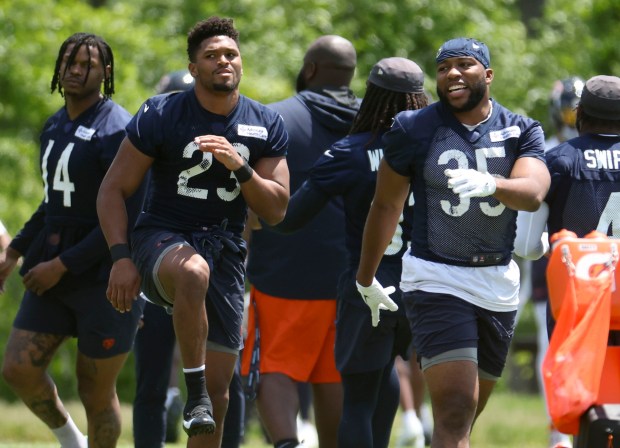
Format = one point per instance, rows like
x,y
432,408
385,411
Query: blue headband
x,y
463,46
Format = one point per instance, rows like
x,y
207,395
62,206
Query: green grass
x,y
510,421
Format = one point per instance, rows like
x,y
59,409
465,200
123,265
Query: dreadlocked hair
x,y
213,26
379,107
89,40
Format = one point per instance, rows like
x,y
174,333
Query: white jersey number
x,y
207,161
610,216
62,181
482,154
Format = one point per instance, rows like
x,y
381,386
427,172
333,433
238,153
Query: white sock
x,y
70,436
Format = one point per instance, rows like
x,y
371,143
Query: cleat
x,y
199,419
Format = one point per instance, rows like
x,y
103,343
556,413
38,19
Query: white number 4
x,y
62,182
611,216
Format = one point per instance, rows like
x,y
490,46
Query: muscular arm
x,y
267,192
526,187
387,205
122,179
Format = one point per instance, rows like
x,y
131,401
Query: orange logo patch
x,y
108,343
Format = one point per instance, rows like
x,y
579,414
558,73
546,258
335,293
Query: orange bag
x,y
574,361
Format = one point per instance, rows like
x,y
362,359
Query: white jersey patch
x,y
84,133
245,130
505,134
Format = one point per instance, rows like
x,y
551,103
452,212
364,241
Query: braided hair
x,y
379,107
89,40
213,26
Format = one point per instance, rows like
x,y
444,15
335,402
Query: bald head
x,y
329,61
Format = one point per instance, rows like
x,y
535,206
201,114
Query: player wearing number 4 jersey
x,y
212,153
472,163
66,260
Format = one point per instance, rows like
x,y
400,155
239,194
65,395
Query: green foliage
x,y
148,39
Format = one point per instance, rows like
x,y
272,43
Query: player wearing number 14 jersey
x,y
66,261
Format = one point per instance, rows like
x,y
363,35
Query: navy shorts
x,y
360,347
442,322
85,313
225,254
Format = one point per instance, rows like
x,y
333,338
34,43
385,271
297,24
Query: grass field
x,y
510,421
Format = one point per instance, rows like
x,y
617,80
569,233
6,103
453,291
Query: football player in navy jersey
x,y
472,164
365,348
212,153
66,260
585,174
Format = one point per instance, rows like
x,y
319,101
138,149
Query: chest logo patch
x,y
245,130
84,133
505,134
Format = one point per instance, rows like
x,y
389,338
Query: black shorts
x,y
85,313
360,347
225,254
442,322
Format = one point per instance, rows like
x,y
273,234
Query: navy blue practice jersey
x,y
422,144
349,169
189,188
585,185
75,156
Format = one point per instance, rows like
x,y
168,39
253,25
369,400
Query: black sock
x,y
286,443
196,385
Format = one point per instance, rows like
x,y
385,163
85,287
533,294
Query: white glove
x,y
470,183
377,298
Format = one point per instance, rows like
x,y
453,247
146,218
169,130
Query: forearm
x,y
112,215
520,193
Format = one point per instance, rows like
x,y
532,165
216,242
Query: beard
x,y
226,87
476,94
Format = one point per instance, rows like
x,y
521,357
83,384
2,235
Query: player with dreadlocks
x,y
66,259
365,347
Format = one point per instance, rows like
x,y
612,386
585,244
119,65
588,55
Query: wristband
x,y
244,173
118,251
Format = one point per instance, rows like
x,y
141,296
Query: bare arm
x,y
122,179
387,206
526,187
267,192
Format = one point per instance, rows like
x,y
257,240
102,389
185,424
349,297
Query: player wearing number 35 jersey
x,y
472,164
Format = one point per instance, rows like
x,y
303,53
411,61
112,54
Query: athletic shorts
x,y
296,338
360,347
442,323
85,313
225,254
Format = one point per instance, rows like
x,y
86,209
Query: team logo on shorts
x,y
108,343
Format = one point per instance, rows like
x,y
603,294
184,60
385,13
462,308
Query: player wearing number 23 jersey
x,y
189,188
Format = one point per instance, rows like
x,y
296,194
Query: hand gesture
x,y
124,285
44,276
470,183
377,298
